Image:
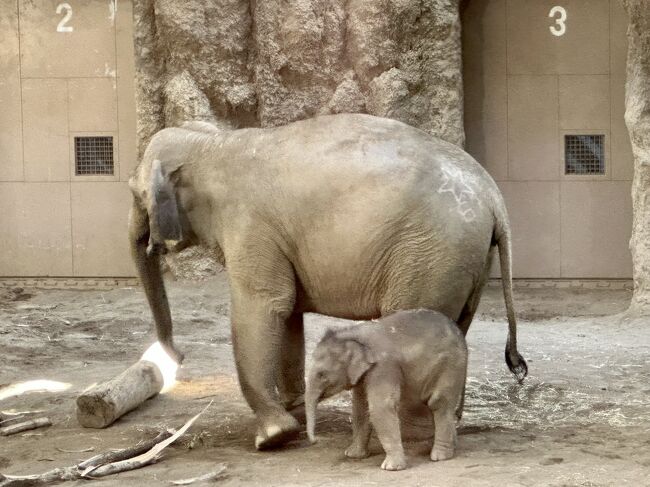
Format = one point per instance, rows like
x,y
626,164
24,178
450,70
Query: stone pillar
x,y
637,118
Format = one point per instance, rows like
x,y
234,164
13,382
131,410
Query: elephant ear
x,y
165,221
360,361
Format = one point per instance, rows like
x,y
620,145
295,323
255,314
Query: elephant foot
x,y
440,454
394,462
356,452
276,432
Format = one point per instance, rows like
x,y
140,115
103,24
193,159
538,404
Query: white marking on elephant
x,y
454,181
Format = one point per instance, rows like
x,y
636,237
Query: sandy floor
x,y
582,418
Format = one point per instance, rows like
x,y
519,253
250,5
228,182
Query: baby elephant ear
x,y
360,361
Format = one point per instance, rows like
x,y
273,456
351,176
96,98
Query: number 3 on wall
x,y
61,27
560,27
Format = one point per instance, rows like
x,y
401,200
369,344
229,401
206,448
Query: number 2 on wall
x,y
560,27
61,27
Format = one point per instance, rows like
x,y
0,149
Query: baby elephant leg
x,y
383,389
361,427
444,418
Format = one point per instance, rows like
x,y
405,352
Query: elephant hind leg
x,y
469,310
467,315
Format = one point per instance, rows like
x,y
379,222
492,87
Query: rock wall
x,y
637,118
244,63
250,63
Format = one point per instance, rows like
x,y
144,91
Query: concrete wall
x,y
55,85
524,89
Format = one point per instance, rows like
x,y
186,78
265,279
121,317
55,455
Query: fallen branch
x,y
105,463
123,454
141,460
25,426
8,416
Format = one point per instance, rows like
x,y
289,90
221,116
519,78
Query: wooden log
x,y
102,404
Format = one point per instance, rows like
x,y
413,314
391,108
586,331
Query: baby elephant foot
x,y
356,451
273,433
394,462
439,454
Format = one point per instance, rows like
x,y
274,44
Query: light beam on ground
x,y
156,354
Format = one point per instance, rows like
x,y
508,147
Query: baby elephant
x,y
417,356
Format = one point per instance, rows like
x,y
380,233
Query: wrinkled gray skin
x,y
348,215
410,357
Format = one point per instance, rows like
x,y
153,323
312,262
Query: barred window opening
x,y
584,154
93,155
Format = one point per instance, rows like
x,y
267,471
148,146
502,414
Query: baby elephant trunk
x,y
311,403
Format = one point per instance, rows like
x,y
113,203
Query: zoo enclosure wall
x,y
69,72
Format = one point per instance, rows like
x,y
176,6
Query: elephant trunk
x,y
149,271
312,396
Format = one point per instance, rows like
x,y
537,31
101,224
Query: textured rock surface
x,y
245,63
637,118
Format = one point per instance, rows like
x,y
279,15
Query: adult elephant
x,y
348,215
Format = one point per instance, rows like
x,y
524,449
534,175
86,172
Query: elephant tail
x,y
515,361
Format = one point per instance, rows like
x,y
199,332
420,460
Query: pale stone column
x,y
637,118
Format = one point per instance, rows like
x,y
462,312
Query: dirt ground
x,y
582,418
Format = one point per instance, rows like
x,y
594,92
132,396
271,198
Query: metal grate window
x,y
584,154
93,155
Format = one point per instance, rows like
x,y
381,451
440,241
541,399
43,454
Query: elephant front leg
x,y
257,332
291,383
383,389
361,428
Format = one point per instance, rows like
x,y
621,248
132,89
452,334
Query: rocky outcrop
x,y
637,118
245,63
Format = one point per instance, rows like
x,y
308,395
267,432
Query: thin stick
x,y
11,420
123,454
84,450
25,426
202,478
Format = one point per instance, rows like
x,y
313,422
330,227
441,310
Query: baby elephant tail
x,y
515,361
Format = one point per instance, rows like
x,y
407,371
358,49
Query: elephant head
x,y
154,187
338,364
157,222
